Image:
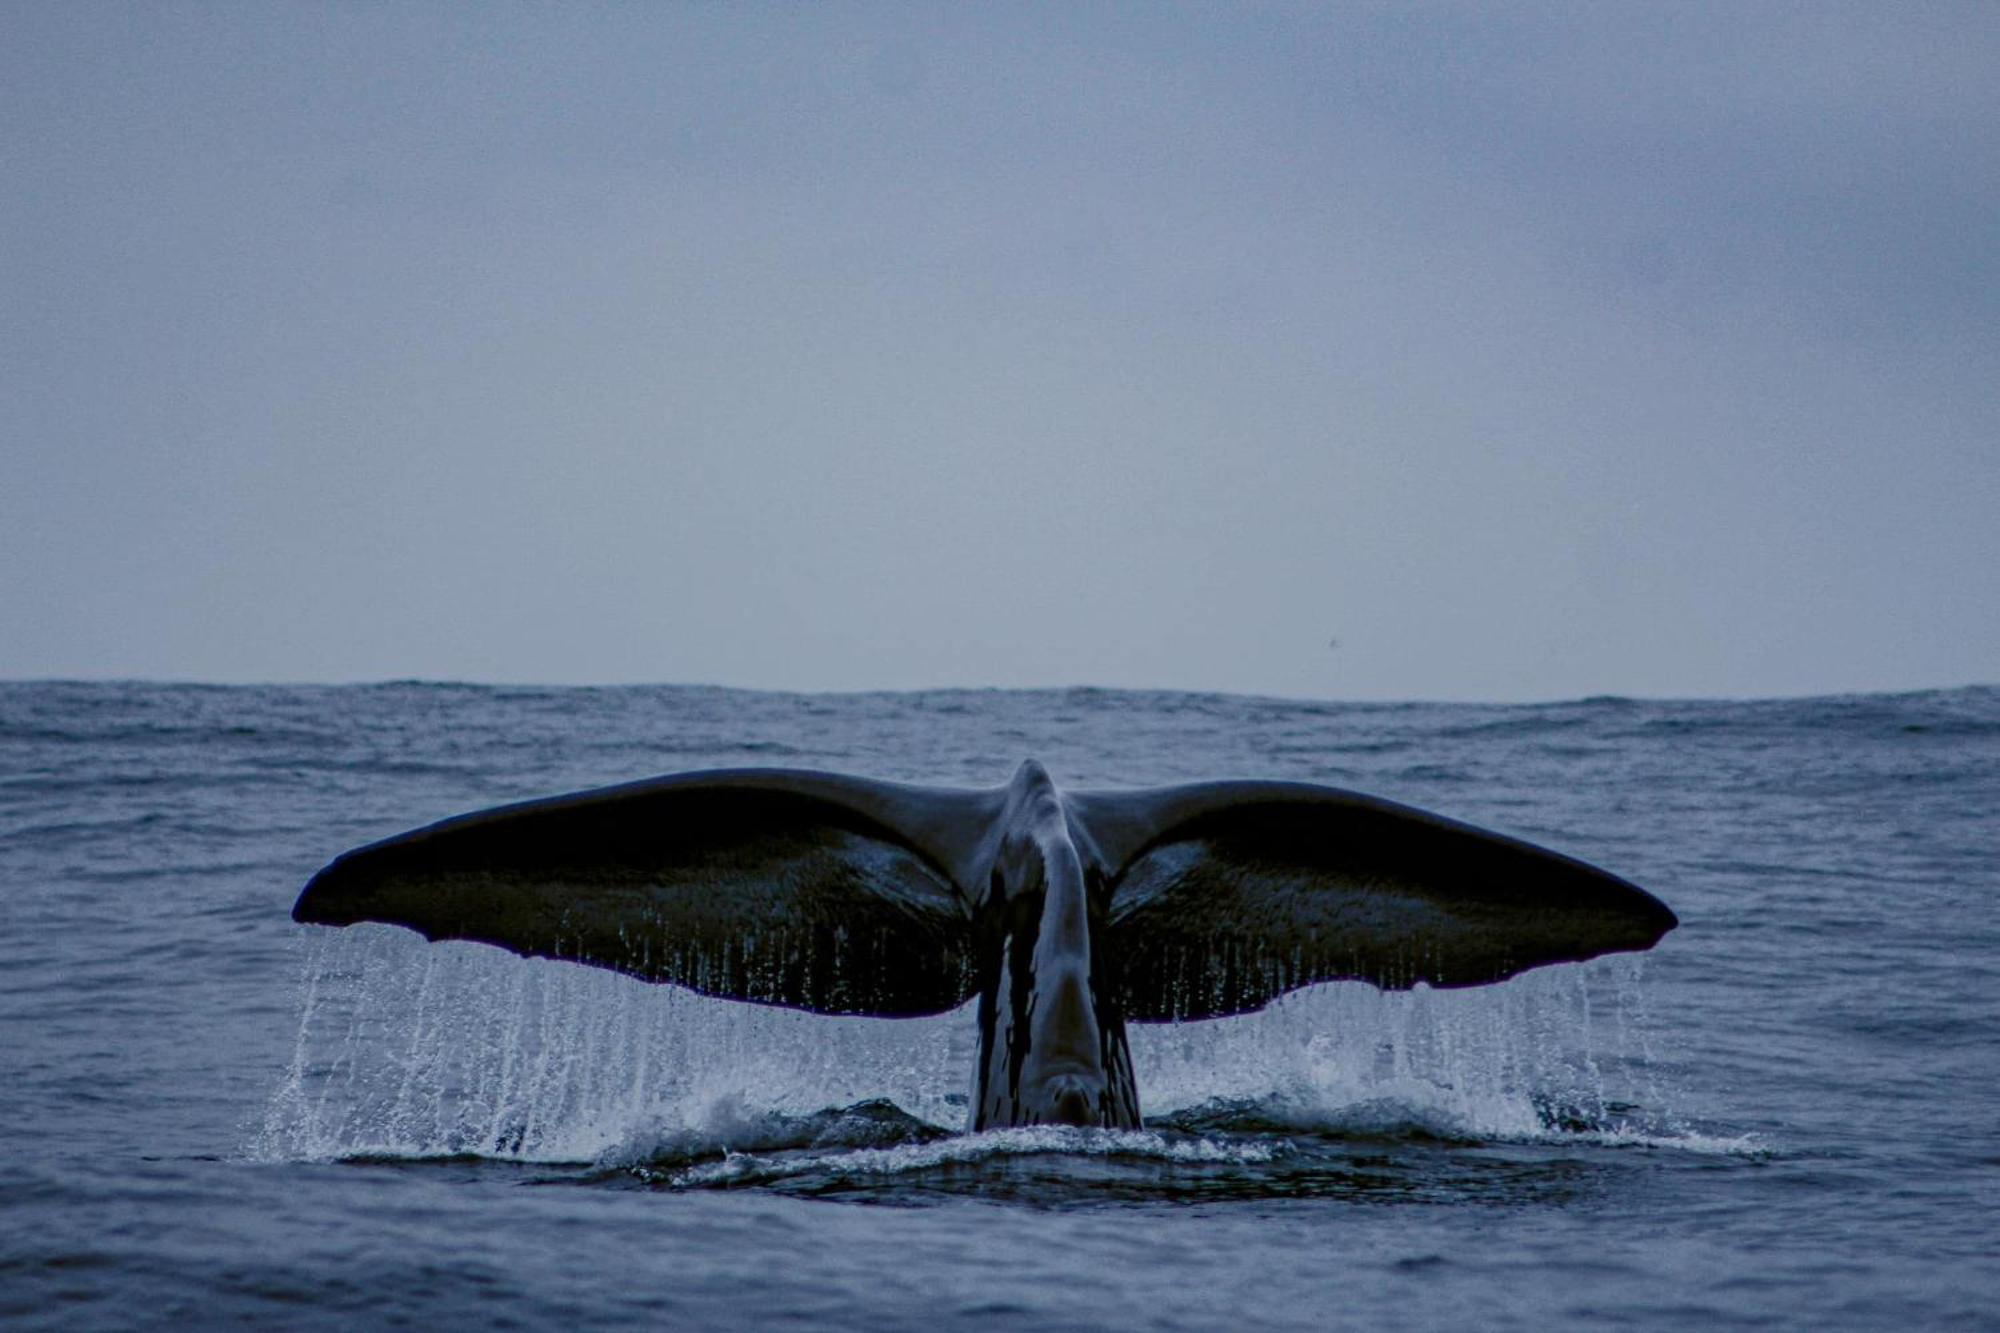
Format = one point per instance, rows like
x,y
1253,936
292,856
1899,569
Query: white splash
x,y
408,1049
1559,1050
1036,1140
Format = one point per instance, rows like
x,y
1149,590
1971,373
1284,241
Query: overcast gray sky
x,y
1341,351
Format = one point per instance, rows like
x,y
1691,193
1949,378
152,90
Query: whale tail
x,y
849,896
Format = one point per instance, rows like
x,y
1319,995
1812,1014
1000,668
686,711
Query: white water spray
x,y
408,1049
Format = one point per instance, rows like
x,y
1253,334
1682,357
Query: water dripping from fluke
x,y
453,1054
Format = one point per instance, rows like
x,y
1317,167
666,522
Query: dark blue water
x,y
1786,1114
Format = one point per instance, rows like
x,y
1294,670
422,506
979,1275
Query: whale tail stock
x,y
846,895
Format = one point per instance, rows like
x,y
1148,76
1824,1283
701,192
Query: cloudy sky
x,y
1333,351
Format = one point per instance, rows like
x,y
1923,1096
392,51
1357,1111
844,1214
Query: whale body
x,y
1068,914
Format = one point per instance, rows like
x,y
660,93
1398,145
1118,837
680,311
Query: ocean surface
x,y
1788,1114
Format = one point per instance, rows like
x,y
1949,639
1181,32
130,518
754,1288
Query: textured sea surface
x,y
1786,1115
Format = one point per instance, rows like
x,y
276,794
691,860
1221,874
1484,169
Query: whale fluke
x,y
1067,914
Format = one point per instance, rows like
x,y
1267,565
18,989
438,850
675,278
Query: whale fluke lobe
x,y
811,891
1067,914
1233,893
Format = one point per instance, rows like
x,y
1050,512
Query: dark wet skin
x,y
1052,1042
